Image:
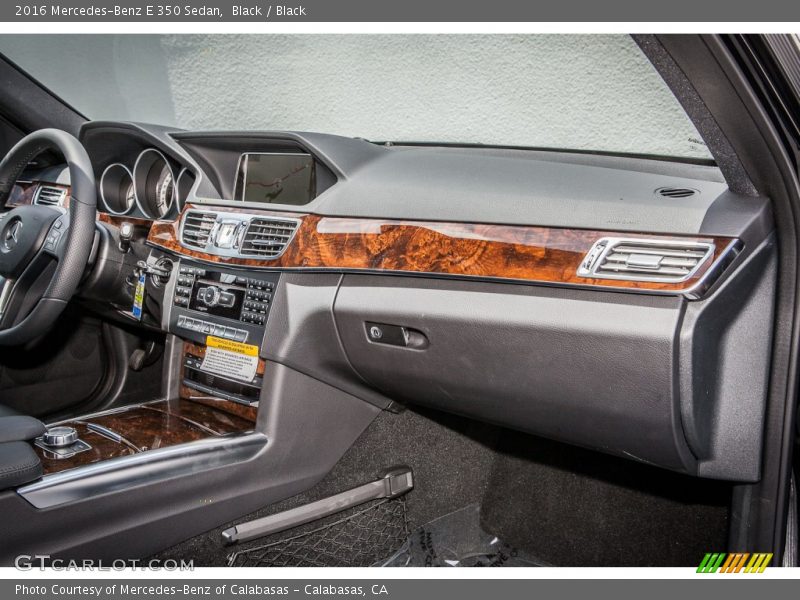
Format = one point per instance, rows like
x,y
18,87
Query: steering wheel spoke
x,y
18,297
6,291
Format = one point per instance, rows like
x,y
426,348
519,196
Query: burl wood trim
x,y
233,408
118,220
24,192
528,254
148,427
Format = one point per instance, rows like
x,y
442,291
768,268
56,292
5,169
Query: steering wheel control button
x,y
60,437
51,243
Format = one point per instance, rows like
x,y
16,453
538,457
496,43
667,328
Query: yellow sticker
x,y
231,346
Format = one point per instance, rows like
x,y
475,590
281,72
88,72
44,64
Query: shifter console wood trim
x,y
545,255
146,427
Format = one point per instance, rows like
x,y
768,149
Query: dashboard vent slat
x,y
197,228
266,237
48,195
663,261
676,192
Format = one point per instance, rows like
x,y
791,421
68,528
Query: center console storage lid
x,y
19,464
19,428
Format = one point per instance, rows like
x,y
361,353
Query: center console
x,y
227,310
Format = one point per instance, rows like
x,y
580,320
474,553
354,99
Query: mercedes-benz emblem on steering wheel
x,y
10,236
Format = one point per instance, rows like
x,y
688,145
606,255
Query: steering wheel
x,y
43,249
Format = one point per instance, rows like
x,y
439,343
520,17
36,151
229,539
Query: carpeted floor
x,y
559,504
573,507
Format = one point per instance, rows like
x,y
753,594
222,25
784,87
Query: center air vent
x,y
267,237
645,260
47,195
197,228
234,234
676,192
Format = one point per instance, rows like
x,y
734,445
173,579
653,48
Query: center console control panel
x,y
209,300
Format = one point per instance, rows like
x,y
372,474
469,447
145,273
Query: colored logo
x,y
738,562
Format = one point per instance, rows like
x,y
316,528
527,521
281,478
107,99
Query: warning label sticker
x,y
230,359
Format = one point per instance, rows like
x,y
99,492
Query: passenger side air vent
x,y
47,195
675,192
645,260
197,228
267,237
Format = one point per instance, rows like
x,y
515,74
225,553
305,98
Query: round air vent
x,y
676,192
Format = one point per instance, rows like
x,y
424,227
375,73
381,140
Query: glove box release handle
x,y
395,335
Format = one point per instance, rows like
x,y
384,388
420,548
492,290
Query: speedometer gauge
x,y
154,184
130,197
164,191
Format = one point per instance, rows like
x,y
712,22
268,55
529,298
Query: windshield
x,y
594,92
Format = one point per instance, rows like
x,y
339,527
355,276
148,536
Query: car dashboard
x,y
617,303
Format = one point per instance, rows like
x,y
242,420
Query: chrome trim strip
x,y
6,291
112,435
180,204
693,293
715,271
122,473
103,195
136,190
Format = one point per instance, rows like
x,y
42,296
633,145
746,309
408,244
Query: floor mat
x,y
457,540
357,540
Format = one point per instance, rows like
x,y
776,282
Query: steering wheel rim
x,y
26,233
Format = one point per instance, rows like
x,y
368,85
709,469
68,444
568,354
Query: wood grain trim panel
x,y
23,192
519,253
148,427
118,220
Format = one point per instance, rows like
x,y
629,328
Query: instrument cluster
x,y
150,188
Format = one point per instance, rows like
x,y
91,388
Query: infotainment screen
x,y
275,178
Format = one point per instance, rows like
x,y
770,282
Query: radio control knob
x,y
59,437
210,295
